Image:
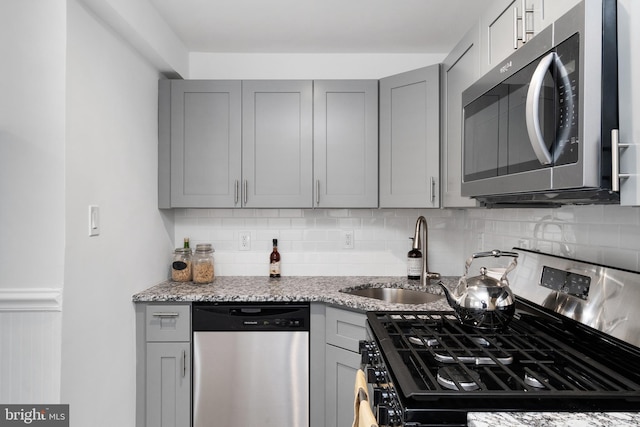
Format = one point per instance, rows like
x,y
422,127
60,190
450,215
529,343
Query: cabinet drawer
x,y
168,322
345,328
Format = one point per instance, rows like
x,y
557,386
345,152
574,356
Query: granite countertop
x,y
553,419
327,290
301,289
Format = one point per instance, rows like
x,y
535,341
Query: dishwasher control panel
x,y
250,316
277,323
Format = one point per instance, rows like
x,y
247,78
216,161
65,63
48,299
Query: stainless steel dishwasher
x,y
250,364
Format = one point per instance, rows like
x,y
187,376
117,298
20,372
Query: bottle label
x,y
274,267
414,267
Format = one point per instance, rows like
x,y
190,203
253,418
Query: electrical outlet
x,y
245,241
348,239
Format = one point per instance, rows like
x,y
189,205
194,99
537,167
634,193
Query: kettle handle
x,y
494,253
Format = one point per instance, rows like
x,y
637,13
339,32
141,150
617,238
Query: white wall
x,y
111,161
32,143
304,66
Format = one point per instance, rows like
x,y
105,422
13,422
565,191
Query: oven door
x,y
522,126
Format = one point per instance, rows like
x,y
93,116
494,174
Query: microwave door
x,y
532,117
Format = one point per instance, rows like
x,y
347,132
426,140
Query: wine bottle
x,y
414,263
186,243
274,260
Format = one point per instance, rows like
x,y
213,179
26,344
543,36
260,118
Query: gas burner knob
x,y
369,356
376,375
383,395
389,416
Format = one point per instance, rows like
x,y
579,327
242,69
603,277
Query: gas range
x,y
426,369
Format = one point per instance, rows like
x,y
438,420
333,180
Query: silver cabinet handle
x,y
432,193
245,191
523,18
236,188
532,120
515,28
616,146
166,314
184,363
317,192
524,21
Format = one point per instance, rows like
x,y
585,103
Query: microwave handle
x,y
533,101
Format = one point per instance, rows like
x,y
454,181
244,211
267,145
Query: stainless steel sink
x,y
395,295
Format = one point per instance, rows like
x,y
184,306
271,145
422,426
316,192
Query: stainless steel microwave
x,y
537,129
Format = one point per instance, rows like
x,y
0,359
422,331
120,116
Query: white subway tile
x,y
312,238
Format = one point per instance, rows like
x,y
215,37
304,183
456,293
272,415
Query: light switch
x,y
94,220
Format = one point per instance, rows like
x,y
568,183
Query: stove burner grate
x,y
432,354
456,378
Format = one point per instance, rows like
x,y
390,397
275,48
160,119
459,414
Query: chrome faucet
x,y
420,242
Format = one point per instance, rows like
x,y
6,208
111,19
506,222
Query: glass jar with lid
x,y
181,266
203,263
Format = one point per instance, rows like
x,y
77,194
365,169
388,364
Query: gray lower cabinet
x,y
410,139
344,330
164,360
459,70
345,126
277,143
168,384
164,366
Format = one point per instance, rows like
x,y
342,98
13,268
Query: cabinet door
x,y
341,368
629,100
346,143
459,70
277,156
553,9
506,29
410,139
205,143
345,328
168,384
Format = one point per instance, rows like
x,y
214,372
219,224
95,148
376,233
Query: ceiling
x,y
320,26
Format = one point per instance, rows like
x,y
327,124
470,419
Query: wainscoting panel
x,y
30,345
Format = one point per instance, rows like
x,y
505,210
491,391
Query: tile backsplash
x,y
312,241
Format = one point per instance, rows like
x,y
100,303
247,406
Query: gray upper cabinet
x,y
345,143
629,101
204,143
553,9
277,154
506,26
459,70
410,139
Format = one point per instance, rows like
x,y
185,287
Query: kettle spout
x,y
452,302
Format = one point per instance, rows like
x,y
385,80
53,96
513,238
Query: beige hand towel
x,y
360,385
366,418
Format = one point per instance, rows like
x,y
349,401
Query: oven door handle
x,y
533,101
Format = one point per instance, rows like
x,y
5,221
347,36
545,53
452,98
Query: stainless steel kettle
x,y
483,301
